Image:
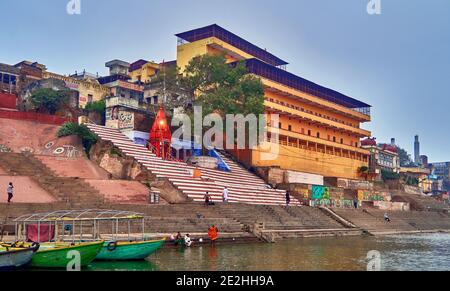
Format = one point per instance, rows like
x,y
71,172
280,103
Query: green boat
x,y
58,256
126,251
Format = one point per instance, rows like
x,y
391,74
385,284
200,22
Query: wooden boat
x,y
15,258
126,251
56,255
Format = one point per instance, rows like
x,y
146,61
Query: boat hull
x,y
127,251
61,256
16,259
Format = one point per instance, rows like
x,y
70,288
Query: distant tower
x,y
416,150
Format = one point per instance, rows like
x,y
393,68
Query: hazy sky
x,y
399,61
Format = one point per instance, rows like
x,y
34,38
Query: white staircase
x,y
243,186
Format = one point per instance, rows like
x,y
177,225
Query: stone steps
x,y
64,189
244,187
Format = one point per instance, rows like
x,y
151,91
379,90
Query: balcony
x,y
121,101
290,84
310,139
283,109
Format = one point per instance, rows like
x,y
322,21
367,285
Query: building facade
x,y
89,89
123,105
142,71
382,156
319,128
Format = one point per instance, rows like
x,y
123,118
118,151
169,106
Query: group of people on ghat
x,y
209,201
179,240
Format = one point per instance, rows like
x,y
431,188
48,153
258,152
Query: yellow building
x,y
319,128
89,89
142,71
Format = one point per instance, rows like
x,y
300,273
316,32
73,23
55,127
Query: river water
x,y
399,252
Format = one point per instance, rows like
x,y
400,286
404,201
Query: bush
x,y
49,100
87,137
389,175
363,170
96,106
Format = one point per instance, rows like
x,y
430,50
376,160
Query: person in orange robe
x,y
213,233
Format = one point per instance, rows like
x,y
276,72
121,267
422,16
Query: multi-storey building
x,y
142,71
382,156
320,129
88,88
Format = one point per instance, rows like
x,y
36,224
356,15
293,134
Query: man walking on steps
x,y
225,195
288,198
10,192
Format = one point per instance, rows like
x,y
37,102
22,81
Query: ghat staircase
x,y
244,187
73,191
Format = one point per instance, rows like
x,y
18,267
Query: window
x,y
309,132
6,78
329,137
318,135
90,98
334,139
280,125
342,140
155,100
303,131
290,127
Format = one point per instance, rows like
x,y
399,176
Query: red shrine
x,y
160,136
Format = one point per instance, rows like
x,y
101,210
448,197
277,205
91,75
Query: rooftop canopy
x,y
264,70
232,39
79,215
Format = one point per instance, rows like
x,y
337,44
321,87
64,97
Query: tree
x,y
97,107
223,88
405,158
49,100
209,81
387,175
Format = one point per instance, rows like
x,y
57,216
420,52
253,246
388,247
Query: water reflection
x,y
417,252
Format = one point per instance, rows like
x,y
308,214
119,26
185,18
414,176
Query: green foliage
x,y
115,151
96,106
210,82
363,170
389,175
411,181
87,137
49,100
405,158
222,88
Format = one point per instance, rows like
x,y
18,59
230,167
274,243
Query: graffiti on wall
x,y
126,120
364,195
4,149
65,151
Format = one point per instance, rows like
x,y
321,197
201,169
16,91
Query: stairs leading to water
x,y
244,187
372,220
